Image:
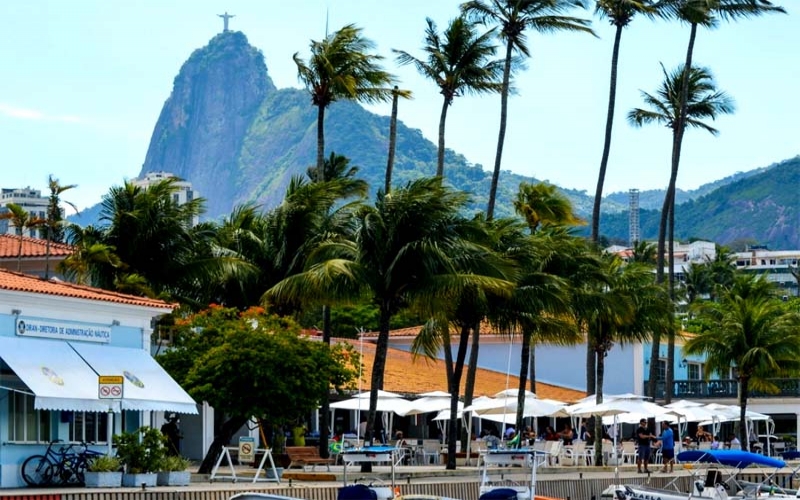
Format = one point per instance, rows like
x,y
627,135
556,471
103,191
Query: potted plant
x,y
140,453
103,472
174,471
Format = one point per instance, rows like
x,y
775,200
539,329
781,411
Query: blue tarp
x,y
731,458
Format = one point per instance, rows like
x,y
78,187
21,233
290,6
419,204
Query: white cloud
x,y
32,114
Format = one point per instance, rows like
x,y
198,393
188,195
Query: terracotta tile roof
x,y
31,247
406,374
412,331
10,280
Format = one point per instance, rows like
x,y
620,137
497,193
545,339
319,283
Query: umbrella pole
x,y
616,458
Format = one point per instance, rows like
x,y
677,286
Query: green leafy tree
x,y
407,251
705,102
620,13
515,17
749,329
342,67
253,363
459,61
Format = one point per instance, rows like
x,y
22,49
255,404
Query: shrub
x,y
104,463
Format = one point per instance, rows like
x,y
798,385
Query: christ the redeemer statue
x,y
225,18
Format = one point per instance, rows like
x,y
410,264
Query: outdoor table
x,y
371,454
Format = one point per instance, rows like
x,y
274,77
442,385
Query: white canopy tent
x,y
389,403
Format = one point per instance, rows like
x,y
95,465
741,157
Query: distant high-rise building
x,y
633,217
184,193
29,199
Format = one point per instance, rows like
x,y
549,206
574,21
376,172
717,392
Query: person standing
x,y
667,439
643,437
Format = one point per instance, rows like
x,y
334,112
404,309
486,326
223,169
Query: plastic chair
x,y
628,452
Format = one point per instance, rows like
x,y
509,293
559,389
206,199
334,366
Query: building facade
x,y
29,199
56,339
780,266
184,193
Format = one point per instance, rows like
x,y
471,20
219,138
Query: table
x,y
371,454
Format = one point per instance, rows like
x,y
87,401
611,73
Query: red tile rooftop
x,y
407,374
10,280
31,247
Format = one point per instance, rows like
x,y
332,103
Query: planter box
x,y
102,479
136,480
174,478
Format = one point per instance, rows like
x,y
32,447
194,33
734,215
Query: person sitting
x,y
715,443
399,441
549,434
514,441
567,435
702,435
584,433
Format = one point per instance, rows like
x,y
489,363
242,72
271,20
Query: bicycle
x,y
54,468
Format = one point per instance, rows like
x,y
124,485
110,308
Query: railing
x,y
724,389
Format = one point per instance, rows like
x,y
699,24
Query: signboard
x,y
51,329
110,386
247,449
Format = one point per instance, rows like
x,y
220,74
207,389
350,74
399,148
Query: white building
x,y
31,200
184,193
776,264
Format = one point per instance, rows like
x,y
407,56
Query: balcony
x,y
724,389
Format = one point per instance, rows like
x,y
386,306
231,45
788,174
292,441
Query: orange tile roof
x,y
407,374
31,247
10,280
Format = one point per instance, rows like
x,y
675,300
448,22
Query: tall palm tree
x,y
54,226
515,17
21,219
342,67
750,330
628,307
407,250
396,95
643,252
705,101
619,13
459,61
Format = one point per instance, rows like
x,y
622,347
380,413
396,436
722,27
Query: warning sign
x,y
247,449
109,386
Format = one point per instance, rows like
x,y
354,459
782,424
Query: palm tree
x,y
705,101
644,252
21,219
54,226
92,262
396,95
628,306
342,67
407,250
515,17
460,62
619,13
749,329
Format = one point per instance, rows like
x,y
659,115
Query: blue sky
x,y
84,81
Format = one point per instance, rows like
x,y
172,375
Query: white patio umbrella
x,y
389,403
617,407
432,402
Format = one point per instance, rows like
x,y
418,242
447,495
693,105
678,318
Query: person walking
x,y
643,438
667,439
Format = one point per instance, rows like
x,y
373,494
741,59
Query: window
x,y
662,370
88,426
694,371
24,423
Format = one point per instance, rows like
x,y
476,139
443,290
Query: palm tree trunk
x,y
670,384
392,142
321,142
670,374
325,404
598,421
524,360
19,253
591,364
744,390
501,135
532,369
472,369
453,388
652,381
612,99
47,256
376,381
440,155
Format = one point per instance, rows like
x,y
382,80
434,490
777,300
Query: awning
x,y
146,386
56,375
